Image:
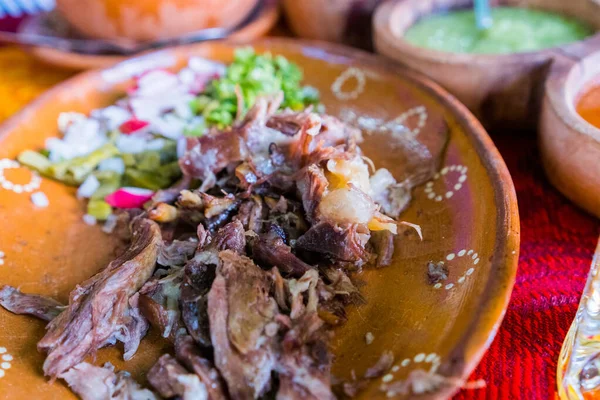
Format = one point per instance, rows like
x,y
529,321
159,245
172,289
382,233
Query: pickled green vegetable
x,y
145,179
35,161
99,209
170,170
148,161
129,160
77,169
71,172
110,181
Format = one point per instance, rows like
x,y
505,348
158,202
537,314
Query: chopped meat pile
x,y
245,266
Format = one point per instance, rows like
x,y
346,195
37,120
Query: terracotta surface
x,y
504,91
151,19
475,229
262,24
569,145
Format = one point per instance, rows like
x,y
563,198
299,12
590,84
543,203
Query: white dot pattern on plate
x,y
433,359
420,112
5,364
359,77
469,255
6,184
398,126
453,170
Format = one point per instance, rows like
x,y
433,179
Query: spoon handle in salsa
x,y
483,15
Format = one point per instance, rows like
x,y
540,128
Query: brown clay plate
x,y
265,19
468,214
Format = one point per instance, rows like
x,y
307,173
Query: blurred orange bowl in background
x,y
151,19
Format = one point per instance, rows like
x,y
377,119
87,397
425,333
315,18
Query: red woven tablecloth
x,y
557,243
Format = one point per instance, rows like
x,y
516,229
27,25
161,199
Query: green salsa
x,y
514,30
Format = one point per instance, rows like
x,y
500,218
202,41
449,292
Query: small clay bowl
x,y
569,145
342,21
505,90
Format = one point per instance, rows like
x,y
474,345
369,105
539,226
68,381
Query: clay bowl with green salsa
x,y
499,73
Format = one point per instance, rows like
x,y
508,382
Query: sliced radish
x,y
129,197
132,125
201,81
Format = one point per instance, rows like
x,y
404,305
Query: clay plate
x,y
468,214
265,19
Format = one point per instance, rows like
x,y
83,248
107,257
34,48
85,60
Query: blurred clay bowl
x,y
151,19
504,91
569,145
341,21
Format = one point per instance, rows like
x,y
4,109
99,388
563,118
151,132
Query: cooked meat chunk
x,y
159,303
436,272
251,214
240,309
189,355
102,383
171,379
270,250
41,307
341,243
209,154
136,328
177,252
98,308
383,248
312,185
199,274
304,362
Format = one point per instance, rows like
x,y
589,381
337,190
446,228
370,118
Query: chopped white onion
x,y
169,126
132,144
187,76
183,109
156,82
39,200
67,118
89,219
115,164
155,145
88,187
181,146
114,116
110,224
81,137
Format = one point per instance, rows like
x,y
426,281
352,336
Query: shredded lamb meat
x,y
171,379
245,265
98,308
102,383
240,308
41,307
